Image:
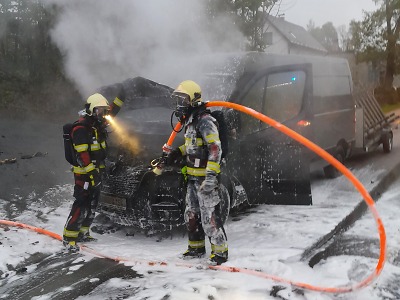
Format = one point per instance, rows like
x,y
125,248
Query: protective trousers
x,y
202,216
82,213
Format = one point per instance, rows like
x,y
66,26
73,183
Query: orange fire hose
x,y
329,158
338,165
346,172
36,229
177,128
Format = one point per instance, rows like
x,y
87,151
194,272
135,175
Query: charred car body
x,y
309,94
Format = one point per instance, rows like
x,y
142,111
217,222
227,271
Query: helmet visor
x,y
182,104
181,99
101,112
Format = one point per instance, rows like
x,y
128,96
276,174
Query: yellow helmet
x,y
96,100
192,89
186,95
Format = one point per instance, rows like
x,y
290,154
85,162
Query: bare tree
x,y
344,38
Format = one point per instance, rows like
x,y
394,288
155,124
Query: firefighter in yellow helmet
x,y
89,140
202,153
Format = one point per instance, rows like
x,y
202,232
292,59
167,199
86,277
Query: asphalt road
x,y
57,273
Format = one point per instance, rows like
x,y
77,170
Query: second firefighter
x,y
202,152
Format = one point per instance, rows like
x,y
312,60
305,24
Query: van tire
x,y
387,142
330,171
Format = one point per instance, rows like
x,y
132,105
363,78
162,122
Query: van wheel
x,y
387,142
330,171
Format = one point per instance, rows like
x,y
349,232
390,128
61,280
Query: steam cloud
x,y
109,41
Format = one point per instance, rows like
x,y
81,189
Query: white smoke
x,y
105,41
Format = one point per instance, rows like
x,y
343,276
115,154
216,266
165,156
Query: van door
x,y
272,167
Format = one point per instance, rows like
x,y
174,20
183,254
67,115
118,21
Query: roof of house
x,y
295,34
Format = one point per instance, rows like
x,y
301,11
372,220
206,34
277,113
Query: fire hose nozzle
x,y
166,149
158,170
158,164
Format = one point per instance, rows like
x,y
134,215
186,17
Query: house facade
x,y
283,37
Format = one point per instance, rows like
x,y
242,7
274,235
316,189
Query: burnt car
x,y
132,194
262,166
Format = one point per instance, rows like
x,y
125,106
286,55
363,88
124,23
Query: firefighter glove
x,y
94,178
174,157
209,184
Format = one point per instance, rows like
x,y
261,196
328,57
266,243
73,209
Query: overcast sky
x,y
339,12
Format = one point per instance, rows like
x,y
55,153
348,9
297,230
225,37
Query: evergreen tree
x,y
326,35
375,38
31,66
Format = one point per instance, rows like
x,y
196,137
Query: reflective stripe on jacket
x,y
202,145
89,141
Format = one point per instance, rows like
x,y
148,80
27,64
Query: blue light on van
x,y
294,78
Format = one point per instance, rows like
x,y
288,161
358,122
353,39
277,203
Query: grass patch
x,y
386,108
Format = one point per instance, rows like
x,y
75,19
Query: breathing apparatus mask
x,y
187,96
182,105
100,113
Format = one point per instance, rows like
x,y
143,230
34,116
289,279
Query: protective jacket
x,y
89,138
202,146
203,151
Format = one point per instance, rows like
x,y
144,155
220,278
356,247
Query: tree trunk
x,y
390,62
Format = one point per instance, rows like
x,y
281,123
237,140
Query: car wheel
x,y
330,171
387,142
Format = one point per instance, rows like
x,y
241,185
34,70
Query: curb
x,y
323,247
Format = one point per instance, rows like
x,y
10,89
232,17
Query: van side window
x,y
284,96
253,99
332,92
